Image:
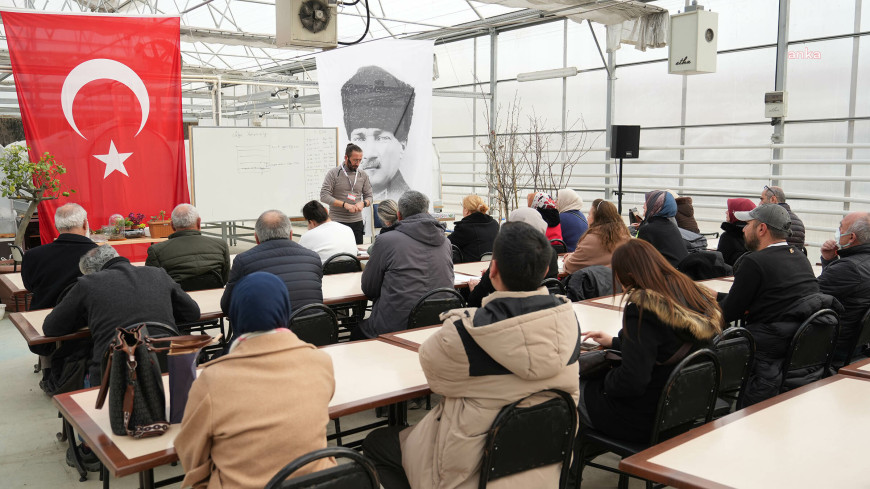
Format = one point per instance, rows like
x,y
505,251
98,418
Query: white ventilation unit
x,y
693,42
306,23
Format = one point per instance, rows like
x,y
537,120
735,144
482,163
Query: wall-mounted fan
x,y
306,23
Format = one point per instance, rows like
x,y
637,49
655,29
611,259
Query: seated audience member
x,y
48,269
113,293
484,287
732,244
405,264
546,206
659,228
571,217
187,253
387,211
775,195
667,316
325,237
521,341
846,276
476,231
685,213
299,268
262,405
606,232
774,291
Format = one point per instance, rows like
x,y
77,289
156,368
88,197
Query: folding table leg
x,y
398,414
77,458
146,479
104,476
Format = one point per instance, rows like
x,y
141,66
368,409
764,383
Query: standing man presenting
x,y
347,191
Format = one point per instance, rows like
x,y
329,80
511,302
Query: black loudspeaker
x,y
626,140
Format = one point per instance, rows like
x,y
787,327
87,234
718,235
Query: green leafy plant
x,y
32,182
161,216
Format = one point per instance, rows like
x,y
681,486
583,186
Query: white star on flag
x,y
114,161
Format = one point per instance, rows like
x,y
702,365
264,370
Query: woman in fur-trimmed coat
x,y
667,316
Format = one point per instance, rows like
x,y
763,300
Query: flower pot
x,y
160,229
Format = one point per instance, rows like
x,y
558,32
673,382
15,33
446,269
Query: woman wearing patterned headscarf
x,y
546,206
659,227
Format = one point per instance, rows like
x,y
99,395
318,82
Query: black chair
x,y
559,246
524,438
358,474
316,324
341,263
862,338
457,254
554,286
154,329
17,256
486,256
428,309
811,351
735,349
349,314
211,279
689,396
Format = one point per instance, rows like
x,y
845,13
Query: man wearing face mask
x,y
846,276
346,190
378,108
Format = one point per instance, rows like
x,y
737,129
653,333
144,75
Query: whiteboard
x,y
239,172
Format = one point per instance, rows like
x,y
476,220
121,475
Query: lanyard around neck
x,y
355,176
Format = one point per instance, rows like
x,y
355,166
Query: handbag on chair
x,y
131,375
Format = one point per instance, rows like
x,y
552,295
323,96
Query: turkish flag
x,y
102,93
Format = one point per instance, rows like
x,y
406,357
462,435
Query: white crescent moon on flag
x,y
100,69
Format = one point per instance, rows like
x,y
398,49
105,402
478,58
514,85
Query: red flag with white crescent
x,y
102,93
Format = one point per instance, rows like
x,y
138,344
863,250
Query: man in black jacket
x,y
774,276
113,293
299,267
846,276
187,253
775,195
48,269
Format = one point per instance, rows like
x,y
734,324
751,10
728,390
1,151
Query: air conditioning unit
x,y
306,23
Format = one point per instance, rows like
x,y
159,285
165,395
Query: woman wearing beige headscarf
x,y
483,287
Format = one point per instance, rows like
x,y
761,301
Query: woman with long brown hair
x,y
606,232
666,317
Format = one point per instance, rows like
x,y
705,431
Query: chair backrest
x,y
154,329
427,310
559,246
17,256
812,348
735,349
316,324
862,339
554,286
524,438
360,473
211,279
341,263
457,254
689,395
486,256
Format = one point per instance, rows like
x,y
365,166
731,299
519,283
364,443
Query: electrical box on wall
x,y
775,104
692,42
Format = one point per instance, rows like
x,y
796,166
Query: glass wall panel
x,y
818,79
531,49
455,63
646,95
587,99
811,18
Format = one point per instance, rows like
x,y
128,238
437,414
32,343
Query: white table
x,y
811,437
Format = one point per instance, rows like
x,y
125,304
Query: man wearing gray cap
x,y
774,291
378,108
774,275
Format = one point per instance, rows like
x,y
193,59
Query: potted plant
x,y
159,226
135,226
32,182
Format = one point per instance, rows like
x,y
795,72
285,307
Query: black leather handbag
x,y
132,379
